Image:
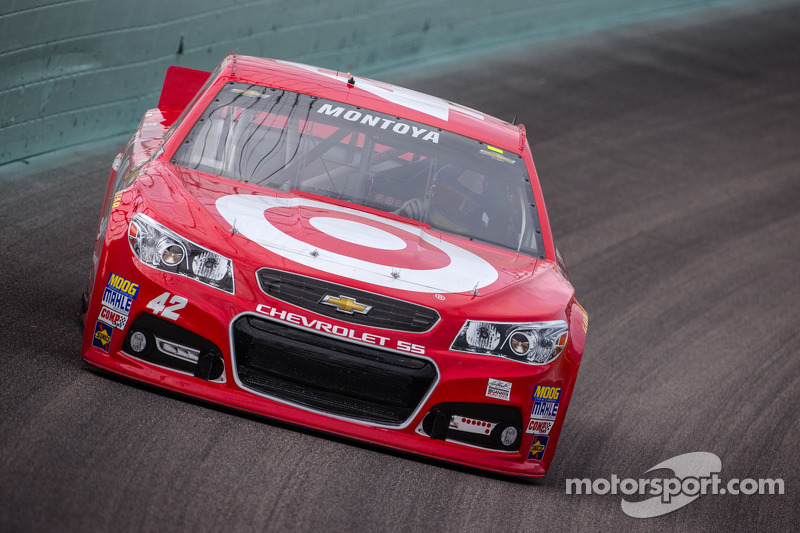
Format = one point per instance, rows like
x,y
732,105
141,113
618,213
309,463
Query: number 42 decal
x,y
168,307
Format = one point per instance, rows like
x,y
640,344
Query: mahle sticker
x,y
120,293
545,402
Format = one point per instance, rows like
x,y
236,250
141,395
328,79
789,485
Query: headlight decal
x,y
535,343
161,248
482,335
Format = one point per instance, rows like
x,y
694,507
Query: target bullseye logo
x,y
354,244
358,233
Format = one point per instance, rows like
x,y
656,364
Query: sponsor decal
x,y
585,317
396,126
102,336
545,402
496,154
423,103
347,305
112,318
500,390
117,198
539,426
538,446
120,293
250,92
401,256
340,331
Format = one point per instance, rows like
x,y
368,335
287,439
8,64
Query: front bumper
x,y
262,359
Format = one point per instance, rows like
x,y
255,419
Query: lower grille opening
x,y
163,343
329,375
495,427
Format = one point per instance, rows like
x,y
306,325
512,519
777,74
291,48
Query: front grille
x,y
327,374
386,313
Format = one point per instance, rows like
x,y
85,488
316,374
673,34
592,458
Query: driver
x,y
454,204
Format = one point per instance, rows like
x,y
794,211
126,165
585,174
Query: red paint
x,y
527,289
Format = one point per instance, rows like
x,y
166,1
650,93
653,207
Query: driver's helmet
x,y
457,200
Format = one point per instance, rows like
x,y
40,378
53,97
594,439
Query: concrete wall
x,y
72,71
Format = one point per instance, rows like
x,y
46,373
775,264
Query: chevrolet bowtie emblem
x,y
345,304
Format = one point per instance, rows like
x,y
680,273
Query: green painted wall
x,y
73,71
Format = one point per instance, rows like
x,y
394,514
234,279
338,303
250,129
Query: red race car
x,y
342,254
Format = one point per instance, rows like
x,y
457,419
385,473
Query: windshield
x,y
293,141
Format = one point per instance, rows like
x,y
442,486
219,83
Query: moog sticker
x,y
120,293
545,402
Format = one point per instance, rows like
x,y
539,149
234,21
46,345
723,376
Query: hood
x,y
357,243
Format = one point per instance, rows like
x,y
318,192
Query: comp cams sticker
x,y
112,318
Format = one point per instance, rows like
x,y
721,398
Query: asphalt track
x,y
670,157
